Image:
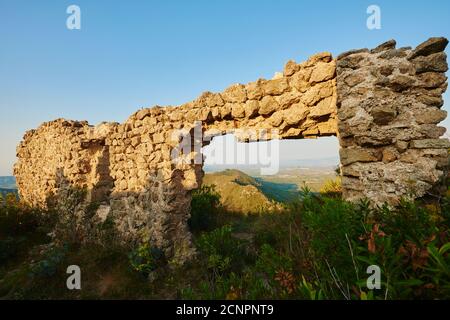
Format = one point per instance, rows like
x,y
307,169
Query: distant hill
x,y
313,177
240,192
7,182
278,191
318,163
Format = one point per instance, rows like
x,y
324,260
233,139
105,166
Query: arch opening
x,y
239,170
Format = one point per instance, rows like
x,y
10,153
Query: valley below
x,y
250,192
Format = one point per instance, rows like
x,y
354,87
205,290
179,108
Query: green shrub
x,y
8,249
332,188
145,258
18,223
269,277
345,238
406,242
50,262
409,221
17,219
223,252
277,269
204,209
437,272
270,261
331,224
270,228
310,291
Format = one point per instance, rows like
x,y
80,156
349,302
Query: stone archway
x,y
383,104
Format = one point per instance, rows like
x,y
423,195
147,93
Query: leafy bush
x,y
332,188
204,205
270,261
145,258
223,252
437,272
346,238
17,219
18,223
71,214
49,264
278,271
7,249
331,223
409,244
310,291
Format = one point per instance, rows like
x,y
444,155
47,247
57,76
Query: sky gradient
x,y
133,54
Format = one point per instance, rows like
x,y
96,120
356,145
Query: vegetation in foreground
x,y
316,248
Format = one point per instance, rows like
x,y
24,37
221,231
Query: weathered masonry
x,y
383,104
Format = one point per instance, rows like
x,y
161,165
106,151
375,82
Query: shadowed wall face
x,y
63,154
142,171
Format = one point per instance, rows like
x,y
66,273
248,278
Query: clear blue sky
x,y
132,54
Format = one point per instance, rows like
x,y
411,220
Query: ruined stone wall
x,y
63,154
389,104
151,194
383,105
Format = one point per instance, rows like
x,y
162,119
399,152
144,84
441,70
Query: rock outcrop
x,y
383,104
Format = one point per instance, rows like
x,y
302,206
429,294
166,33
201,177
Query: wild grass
x,y
319,247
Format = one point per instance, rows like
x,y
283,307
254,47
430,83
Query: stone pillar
x,y
389,106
